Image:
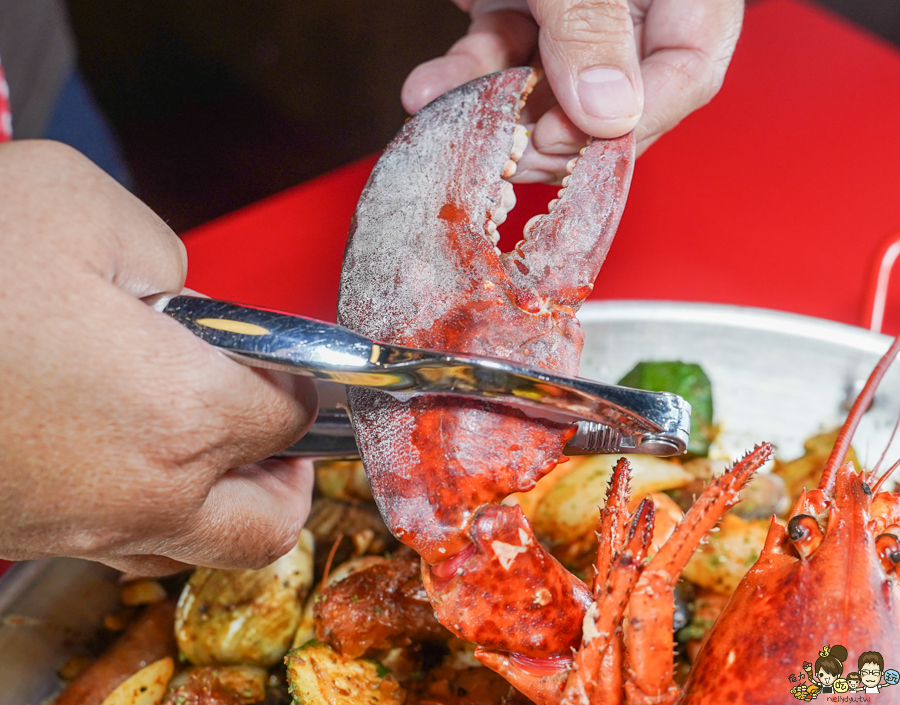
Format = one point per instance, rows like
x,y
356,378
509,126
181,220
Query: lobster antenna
x,y
839,452
877,486
874,470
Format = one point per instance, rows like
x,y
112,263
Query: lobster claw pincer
x,y
422,265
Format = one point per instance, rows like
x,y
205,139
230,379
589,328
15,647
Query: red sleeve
x,y
5,115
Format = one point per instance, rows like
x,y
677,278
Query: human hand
x,y
613,66
123,437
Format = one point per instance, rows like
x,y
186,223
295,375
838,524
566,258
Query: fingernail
x,y
607,93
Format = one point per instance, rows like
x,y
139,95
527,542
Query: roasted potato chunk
x,y
244,616
730,552
146,687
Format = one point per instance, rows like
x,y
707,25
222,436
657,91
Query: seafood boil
x,y
369,627
422,269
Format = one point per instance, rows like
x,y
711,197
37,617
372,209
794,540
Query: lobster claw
x,y
422,269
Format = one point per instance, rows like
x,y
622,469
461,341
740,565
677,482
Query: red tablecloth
x,y
778,194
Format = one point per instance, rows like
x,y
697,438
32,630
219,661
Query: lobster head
x,y
825,585
422,269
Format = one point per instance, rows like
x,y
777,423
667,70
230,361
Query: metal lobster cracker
x,y
610,418
422,269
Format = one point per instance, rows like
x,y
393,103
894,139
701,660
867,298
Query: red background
x,y
778,194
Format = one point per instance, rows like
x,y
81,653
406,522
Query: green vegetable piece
x,y
318,675
688,380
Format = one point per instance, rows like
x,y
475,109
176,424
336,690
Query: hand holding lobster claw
x,y
422,269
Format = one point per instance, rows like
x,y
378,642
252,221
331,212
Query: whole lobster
x,y
422,269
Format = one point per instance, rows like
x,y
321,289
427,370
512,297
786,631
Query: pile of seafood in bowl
x,y
345,616
456,567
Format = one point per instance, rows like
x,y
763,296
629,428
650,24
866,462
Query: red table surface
x,y
778,194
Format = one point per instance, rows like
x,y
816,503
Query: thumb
x,y
590,57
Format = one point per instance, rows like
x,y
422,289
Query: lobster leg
x,y
595,674
613,520
597,670
589,681
651,607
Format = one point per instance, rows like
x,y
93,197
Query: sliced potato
x,y
567,515
318,675
146,687
244,616
142,592
730,552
